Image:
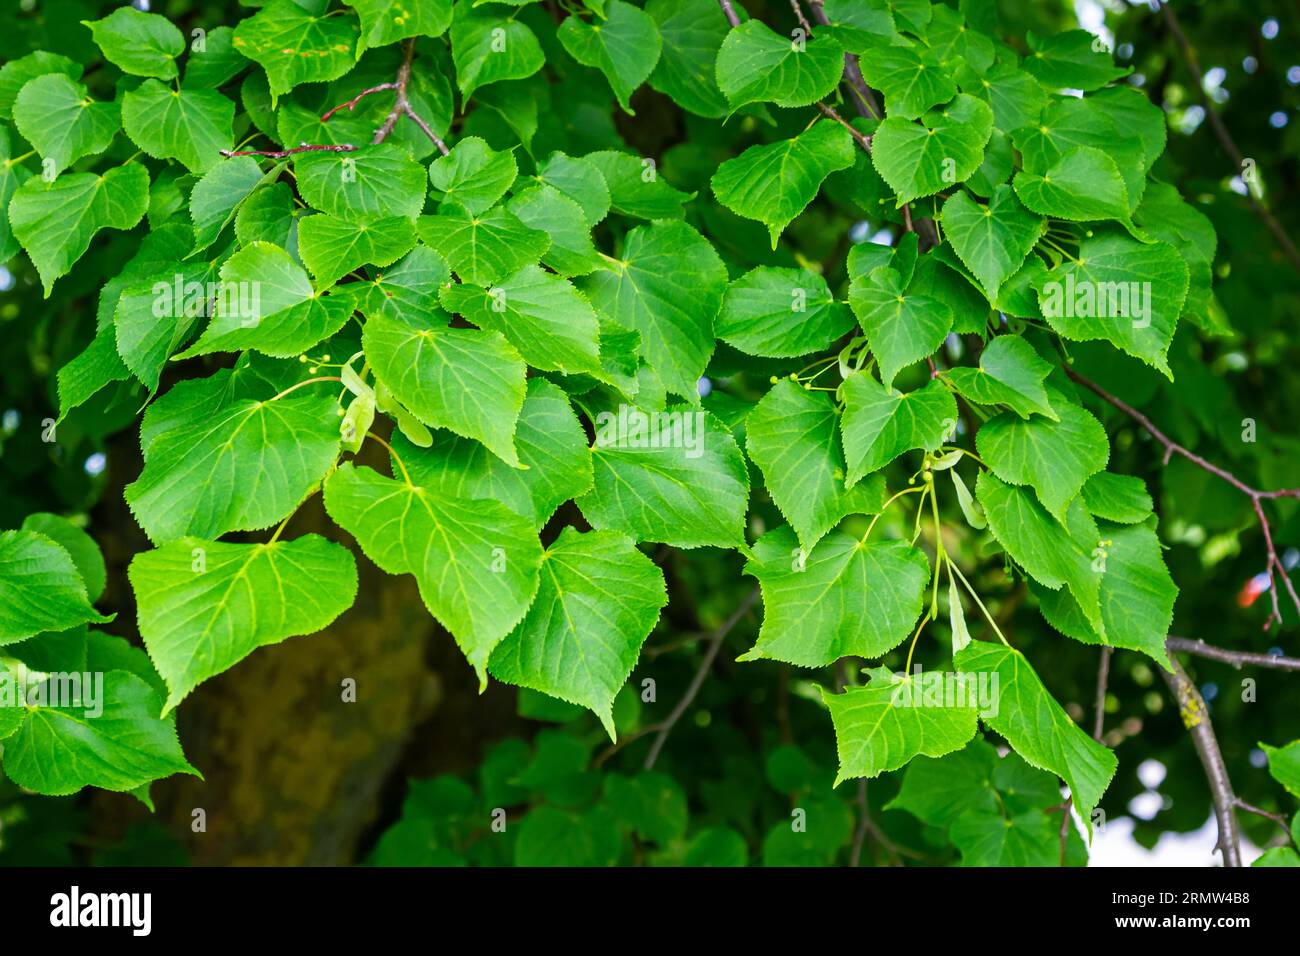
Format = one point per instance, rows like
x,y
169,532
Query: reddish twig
x,y
280,153
401,104
803,21
729,12
1256,495
352,103
860,137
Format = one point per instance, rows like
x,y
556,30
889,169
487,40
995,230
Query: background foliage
x,y
412,772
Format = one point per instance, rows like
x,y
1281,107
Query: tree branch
x,y
1235,658
281,153
863,99
1191,707
710,654
729,12
1224,137
401,104
1256,495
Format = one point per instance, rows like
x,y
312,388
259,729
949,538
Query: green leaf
x,y
474,174
883,725
483,249
142,44
625,47
468,381
913,79
1052,553
206,605
1075,60
781,313
294,46
667,285
1284,765
1010,373
96,366
216,64
946,148
331,248
278,312
551,444
692,32
880,424
583,181
1119,290
488,47
12,175
192,126
901,328
635,188
652,804
217,197
1137,595
543,316
1055,457
57,116
994,839
213,463
1016,98
676,477
1083,184
40,587
1035,725
845,598
792,435
56,221
1118,498
115,742
1165,216
547,209
387,21
774,183
476,562
598,600
374,182
409,290
15,74
938,791
80,546
757,65
553,837
992,241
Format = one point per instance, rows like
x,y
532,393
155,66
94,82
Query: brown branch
x,y
860,137
1225,138
1235,658
1256,495
1191,707
1278,818
715,645
803,21
352,103
281,153
863,99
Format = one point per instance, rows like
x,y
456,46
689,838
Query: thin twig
x,y
803,21
729,12
1256,495
1191,707
863,99
710,654
1278,818
401,104
1235,658
862,138
1225,138
352,103
281,153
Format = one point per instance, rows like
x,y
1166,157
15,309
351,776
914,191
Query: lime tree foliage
x,y
566,312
